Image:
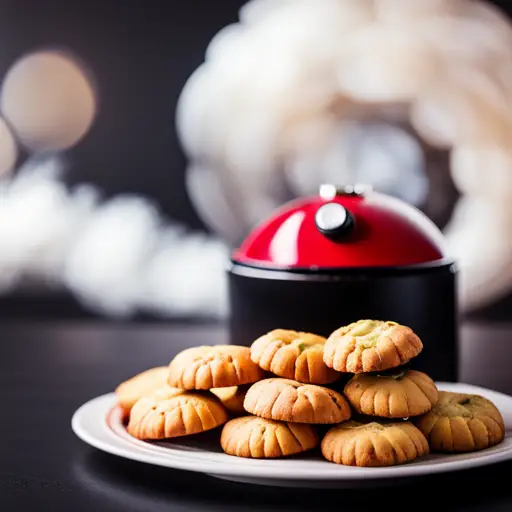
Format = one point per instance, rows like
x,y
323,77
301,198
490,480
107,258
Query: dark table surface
x,y
48,370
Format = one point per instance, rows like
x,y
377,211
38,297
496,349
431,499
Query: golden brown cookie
x,y
143,383
374,444
260,438
218,366
293,355
371,345
462,423
169,412
289,400
400,395
232,398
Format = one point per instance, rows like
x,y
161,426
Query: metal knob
x,y
334,221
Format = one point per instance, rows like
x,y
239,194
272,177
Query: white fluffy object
x,y
186,275
118,257
104,265
267,111
39,219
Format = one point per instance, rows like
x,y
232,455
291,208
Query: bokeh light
x,y
49,100
8,149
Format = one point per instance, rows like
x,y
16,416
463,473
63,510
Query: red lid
x,y
351,227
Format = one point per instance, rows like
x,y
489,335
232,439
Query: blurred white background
x,y
131,165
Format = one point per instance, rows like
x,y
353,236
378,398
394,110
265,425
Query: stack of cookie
x,y
285,410
381,392
272,397
386,394
196,393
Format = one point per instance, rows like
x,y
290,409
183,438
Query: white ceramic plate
x,y
98,423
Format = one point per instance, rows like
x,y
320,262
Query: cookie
x,y
232,398
143,383
289,400
462,423
168,413
260,438
374,444
371,345
399,395
293,355
218,366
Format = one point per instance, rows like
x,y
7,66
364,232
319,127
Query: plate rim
x,y
106,440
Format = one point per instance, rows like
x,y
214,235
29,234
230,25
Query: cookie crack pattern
x,y
292,433
239,427
430,426
212,379
273,412
239,444
143,421
377,351
418,345
386,396
252,443
495,421
306,395
392,446
342,357
308,367
365,392
236,366
186,416
195,416
469,434
266,441
450,437
278,440
407,404
357,452
397,350
418,441
270,360
165,419
195,372
335,401
348,451
203,411
487,433
417,385
296,398
489,425
273,365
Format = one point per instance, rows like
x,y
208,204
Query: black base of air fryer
x,y
421,297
